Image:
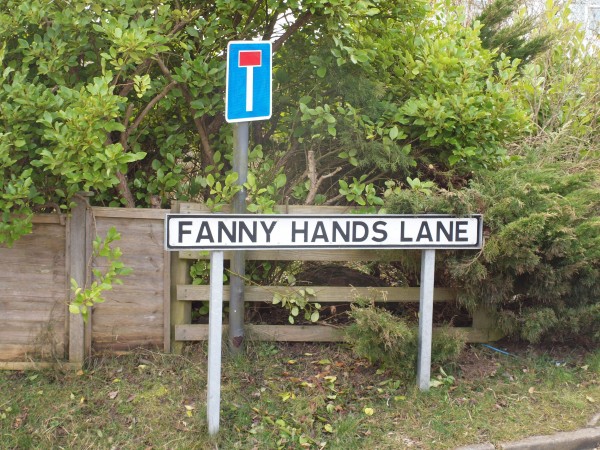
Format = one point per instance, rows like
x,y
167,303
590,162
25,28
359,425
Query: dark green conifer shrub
x,y
539,269
389,341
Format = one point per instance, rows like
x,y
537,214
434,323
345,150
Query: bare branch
x,y
299,23
207,152
252,12
315,180
128,86
136,123
123,188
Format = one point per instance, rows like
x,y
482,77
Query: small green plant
x,y
86,298
420,186
443,379
262,199
298,301
361,193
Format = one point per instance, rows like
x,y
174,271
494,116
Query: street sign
x,y
248,92
283,231
218,232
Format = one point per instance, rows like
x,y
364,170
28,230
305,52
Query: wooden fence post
x,y
181,312
484,324
79,252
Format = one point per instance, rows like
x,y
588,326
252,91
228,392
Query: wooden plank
x,y
302,255
14,280
166,301
125,294
67,290
198,208
77,270
111,343
485,324
30,334
139,236
139,281
125,322
48,249
181,312
29,365
299,333
283,333
58,219
31,315
126,301
131,225
25,351
323,294
37,263
33,304
140,336
130,213
46,258
24,287
90,233
41,231
122,347
133,312
145,262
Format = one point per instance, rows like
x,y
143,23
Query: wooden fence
x,y
153,306
183,293
36,329
33,289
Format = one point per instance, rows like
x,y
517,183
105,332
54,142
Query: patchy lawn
x,y
297,396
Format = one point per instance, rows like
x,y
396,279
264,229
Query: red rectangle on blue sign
x,y
250,58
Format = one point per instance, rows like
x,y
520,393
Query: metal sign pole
x,y
238,260
215,328
425,319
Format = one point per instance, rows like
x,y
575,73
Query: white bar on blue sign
x,y
262,232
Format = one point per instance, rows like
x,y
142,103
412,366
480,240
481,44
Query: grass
x,y
295,396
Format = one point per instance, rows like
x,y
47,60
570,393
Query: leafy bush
x,y
387,340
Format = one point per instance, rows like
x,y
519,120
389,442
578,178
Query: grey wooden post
x,y
79,254
180,312
425,319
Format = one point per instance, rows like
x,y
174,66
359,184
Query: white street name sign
x,y
262,232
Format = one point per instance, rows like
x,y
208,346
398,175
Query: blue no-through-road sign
x,y
248,91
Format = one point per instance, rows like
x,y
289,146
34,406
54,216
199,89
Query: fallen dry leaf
x,y
112,395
